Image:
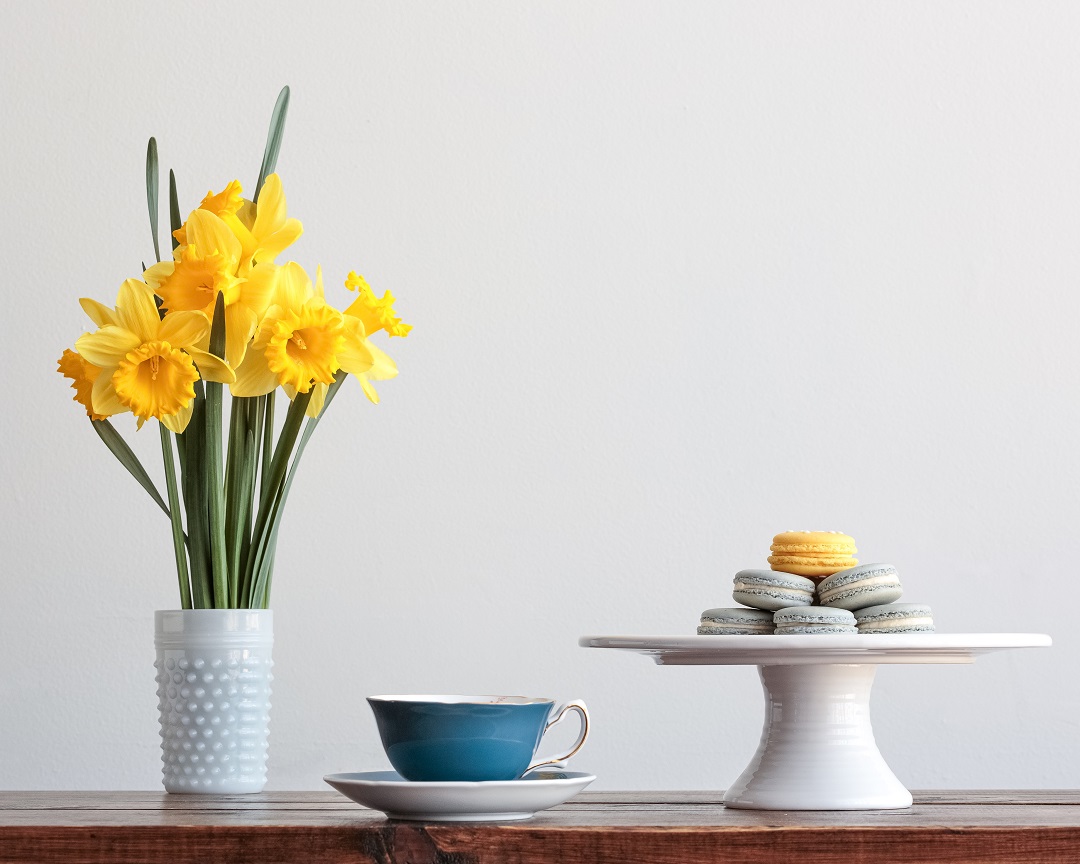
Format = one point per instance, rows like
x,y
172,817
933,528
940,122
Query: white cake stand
x,y
817,749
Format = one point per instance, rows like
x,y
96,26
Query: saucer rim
x,y
365,778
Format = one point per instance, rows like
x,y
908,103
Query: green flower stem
x,y
195,498
267,446
179,550
279,503
256,412
215,501
235,493
264,599
241,539
274,482
256,409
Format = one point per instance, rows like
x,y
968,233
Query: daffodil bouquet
x,y
223,314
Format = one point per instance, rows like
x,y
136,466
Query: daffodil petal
x,y
137,310
272,246
270,209
104,399
182,329
178,422
355,356
158,273
253,376
248,244
212,368
210,234
382,367
369,391
240,324
99,313
108,346
318,399
293,286
258,289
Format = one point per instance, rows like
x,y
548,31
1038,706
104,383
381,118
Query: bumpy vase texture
x,y
214,674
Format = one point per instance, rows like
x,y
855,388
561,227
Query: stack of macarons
x,y
816,585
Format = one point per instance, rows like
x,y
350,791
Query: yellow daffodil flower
x,y
263,229
302,341
82,374
299,341
224,203
207,267
148,364
368,314
379,367
302,346
375,313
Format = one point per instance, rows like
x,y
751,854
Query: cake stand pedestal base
x,y
817,749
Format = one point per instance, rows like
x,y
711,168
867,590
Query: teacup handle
x,y
575,705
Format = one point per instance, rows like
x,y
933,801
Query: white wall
x,y
682,276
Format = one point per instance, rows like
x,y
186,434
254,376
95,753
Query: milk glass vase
x,y
214,675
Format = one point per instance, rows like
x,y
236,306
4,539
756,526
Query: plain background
x,y
682,275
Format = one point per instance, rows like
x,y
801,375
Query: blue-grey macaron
x,y
896,618
735,622
859,587
813,619
772,590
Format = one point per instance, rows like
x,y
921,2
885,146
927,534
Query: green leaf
x,y
238,537
152,192
262,416
174,209
256,411
233,504
214,480
264,576
273,140
267,446
192,466
261,553
113,440
179,550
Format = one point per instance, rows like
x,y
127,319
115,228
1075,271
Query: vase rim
x,y
186,624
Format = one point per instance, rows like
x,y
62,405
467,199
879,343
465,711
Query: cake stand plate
x,y
817,749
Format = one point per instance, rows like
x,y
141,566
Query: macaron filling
x,y
735,622
764,589
895,618
858,587
896,625
814,619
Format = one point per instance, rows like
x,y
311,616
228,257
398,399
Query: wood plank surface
x,y
624,827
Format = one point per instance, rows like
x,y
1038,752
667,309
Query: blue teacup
x,y
441,738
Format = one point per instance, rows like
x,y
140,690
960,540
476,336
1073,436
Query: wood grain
x,y
624,827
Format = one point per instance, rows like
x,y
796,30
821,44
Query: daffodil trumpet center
x,y
195,281
304,346
155,380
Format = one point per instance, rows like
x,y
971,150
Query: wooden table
x,y
597,827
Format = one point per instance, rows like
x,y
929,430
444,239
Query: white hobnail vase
x,y
214,675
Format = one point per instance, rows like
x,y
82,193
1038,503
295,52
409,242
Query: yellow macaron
x,y
816,554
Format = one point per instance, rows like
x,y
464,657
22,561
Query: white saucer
x,y
489,801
